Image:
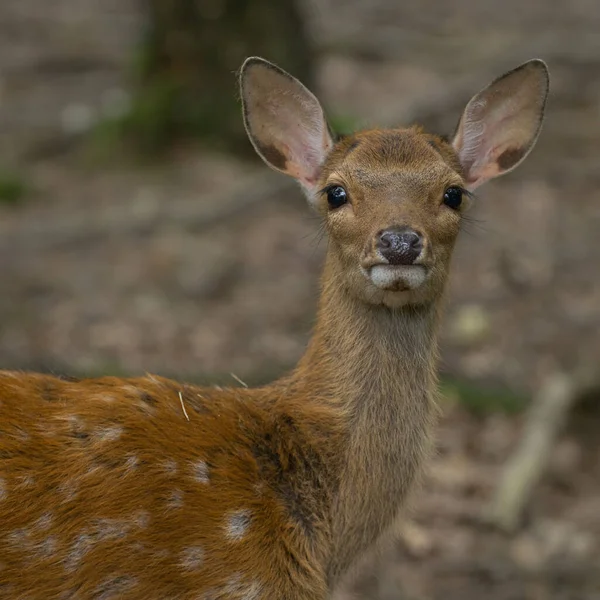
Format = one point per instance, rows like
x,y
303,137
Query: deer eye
x,y
453,197
336,196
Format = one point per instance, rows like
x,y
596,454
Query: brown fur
x,y
150,488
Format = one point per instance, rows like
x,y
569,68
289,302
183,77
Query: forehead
x,y
380,157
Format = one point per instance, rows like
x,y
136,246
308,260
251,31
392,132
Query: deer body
x,y
148,488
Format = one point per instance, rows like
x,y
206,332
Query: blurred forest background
x,y
139,233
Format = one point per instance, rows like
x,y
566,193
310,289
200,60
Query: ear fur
x,y
284,121
500,124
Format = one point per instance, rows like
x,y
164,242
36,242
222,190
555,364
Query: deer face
x,y
392,199
393,202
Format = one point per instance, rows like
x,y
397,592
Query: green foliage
x,y
152,116
146,125
482,400
183,74
13,188
343,124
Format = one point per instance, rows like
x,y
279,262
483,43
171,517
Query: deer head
x,y
392,199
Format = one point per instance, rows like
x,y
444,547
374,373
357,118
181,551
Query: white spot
x,y
75,422
111,528
253,591
237,588
3,492
201,472
192,558
109,434
170,467
237,525
82,545
175,499
47,547
68,489
44,522
132,462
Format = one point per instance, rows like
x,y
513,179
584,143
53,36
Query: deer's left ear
x,y
501,124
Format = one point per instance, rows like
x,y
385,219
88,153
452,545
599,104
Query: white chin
x,y
397,277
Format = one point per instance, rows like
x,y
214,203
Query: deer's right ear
x,y
284,121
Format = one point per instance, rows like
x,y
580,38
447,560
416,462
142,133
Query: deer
x,y
146,487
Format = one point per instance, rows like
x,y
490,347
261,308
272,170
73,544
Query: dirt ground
x,y
208,266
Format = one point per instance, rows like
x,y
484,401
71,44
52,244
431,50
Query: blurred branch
x,y
546,418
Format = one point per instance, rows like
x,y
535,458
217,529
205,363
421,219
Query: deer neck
x,y
378,366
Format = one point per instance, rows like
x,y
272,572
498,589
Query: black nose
x,y
400,246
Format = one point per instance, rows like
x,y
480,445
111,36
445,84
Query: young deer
x,y
148,488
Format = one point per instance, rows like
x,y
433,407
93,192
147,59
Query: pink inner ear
x,y
482,141
499,126
306,157
476,176
286,124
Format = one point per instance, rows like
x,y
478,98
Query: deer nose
x,y
400,246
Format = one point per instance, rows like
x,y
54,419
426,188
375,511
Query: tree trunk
x,y
187,86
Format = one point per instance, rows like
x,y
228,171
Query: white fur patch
x,y
387,277
170,467
237,588
132,462
47,547
109,433
192,558
44,522
201,472
81,546
237,525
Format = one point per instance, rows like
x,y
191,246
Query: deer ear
x,y
284,121
501,124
